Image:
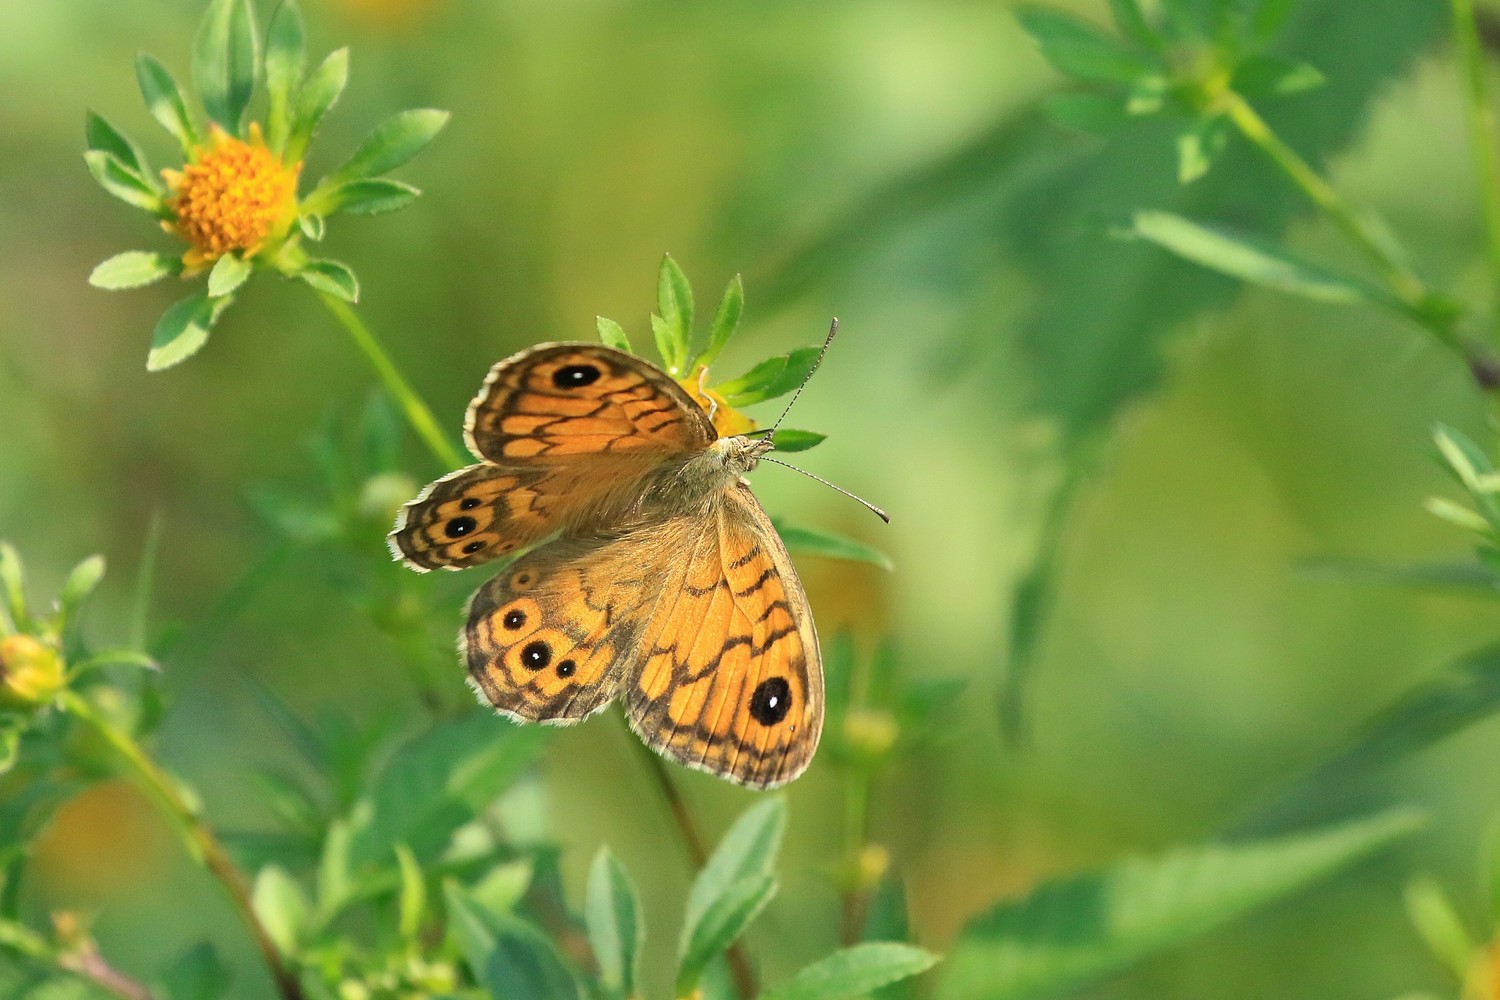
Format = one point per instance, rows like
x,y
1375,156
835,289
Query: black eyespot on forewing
x,y
771,701
468,503
460,526
576,376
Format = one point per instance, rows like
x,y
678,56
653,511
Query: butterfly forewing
x,y
569,402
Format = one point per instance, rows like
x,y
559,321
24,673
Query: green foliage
x,y
226,62
1076,929
617,931
854,972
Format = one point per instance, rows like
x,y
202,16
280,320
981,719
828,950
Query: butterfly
x,y
659,581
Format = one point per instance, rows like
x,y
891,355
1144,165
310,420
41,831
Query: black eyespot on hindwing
x,y
536,655
771,701
460,526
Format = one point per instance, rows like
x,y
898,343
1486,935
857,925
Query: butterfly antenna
x,y
833,328
858,499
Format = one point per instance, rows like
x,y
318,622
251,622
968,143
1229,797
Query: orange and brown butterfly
x,y
659,580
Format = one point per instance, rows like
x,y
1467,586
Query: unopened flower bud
x,y
31,672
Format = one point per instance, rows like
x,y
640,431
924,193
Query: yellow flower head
x,y
231,195
728,421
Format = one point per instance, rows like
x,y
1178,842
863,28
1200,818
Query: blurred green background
x,y
881,160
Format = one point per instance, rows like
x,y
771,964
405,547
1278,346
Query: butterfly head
x,y
739,454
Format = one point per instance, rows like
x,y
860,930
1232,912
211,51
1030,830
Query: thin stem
x,y
1482,134
416,412
856,836
201,842
692,842
1409,288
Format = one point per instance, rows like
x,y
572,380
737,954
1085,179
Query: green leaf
x,y
335,872
748,848
320,91
78,586
197,974
394,141
134,268
281,907
183,330
1273,76
726,320
673,354
674,303
617,930
1073,930
286,61
1252,260
332,277
1133,24
1095,114
767,381
507,955
312,226
795,440
1433,916
813,542
412,901
1466,693
13,587
164,101
1199,145
1458,577
437,782
1077,48
721,922
121,657
122,182
503,886
854,972
101,135
612,334
229,272
226,61
371,196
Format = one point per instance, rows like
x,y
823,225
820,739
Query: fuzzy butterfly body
x,y
664,584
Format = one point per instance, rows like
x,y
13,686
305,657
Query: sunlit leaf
x,y
854,972
320,91
816,542
78,586
281,906
122,182
726,320
1434,917
394,142
286,61
226,61
789,439
1078,48
722,921
164,101
183,330
748,849
101,135
1075,929
134,268
612,334
332,277
616,927
229,272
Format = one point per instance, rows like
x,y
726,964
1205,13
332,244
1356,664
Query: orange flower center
x,y
233,196
728,421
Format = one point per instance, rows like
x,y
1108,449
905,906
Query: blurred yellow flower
x,y
728,421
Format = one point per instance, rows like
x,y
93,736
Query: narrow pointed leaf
x,y
813,542
789,439
726,320
320,91
226,61
101,135
312,226
1432,914
1077,48
164,101
1250,259
393,142
13,587
617,930
674,303
507,955
183,330
612,334
412,901
1073,930
854,972
748,848
286,61
122,182
672,350
134,268
332,277
229,272
1133,24
79,585
719,925
765,381
371,196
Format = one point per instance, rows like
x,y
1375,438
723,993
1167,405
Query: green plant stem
x,y
1482,135
1409,288
416,412
692,841
201,842
857,795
